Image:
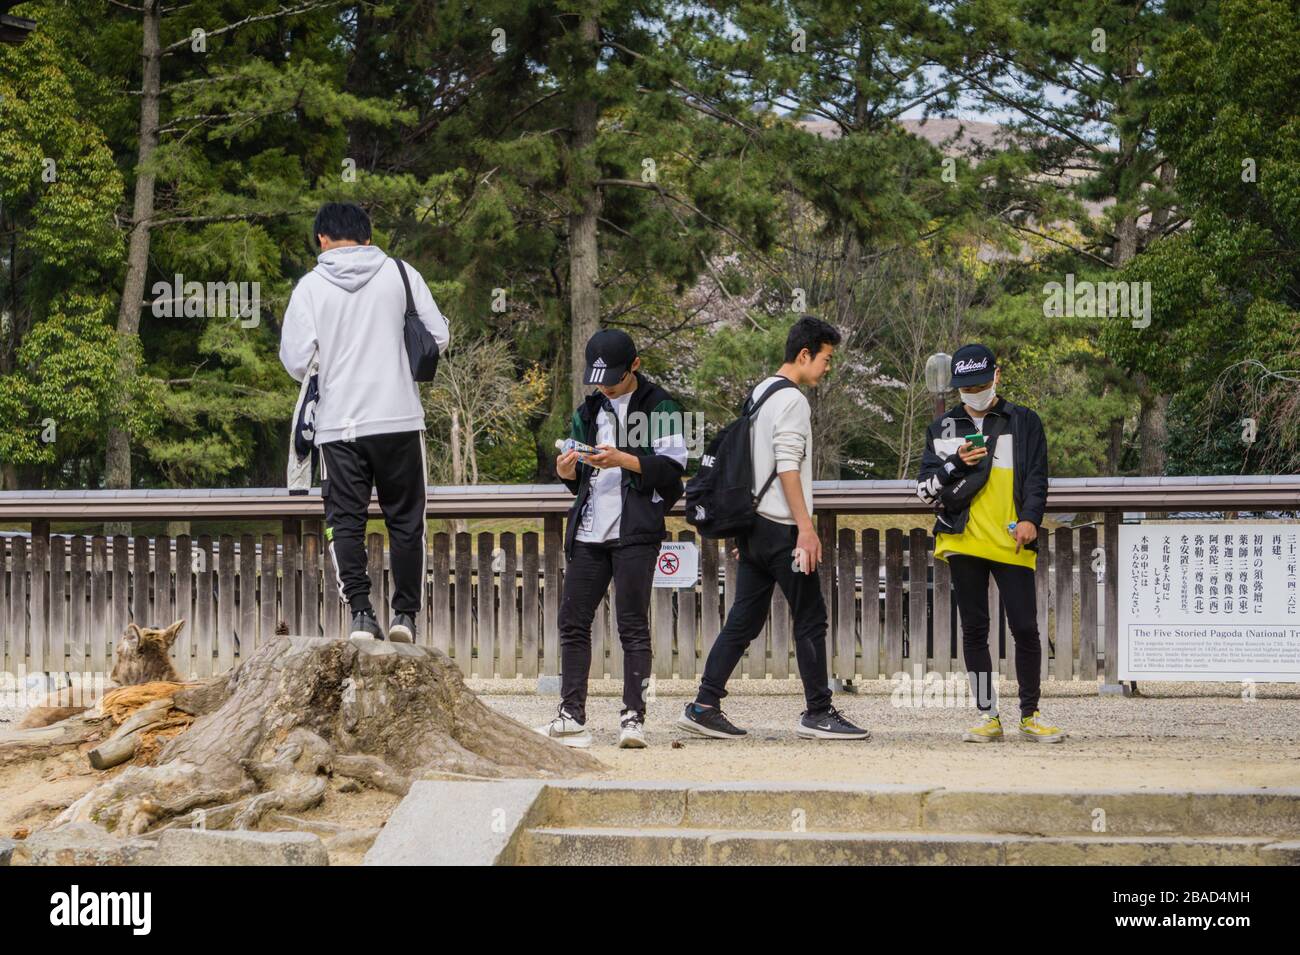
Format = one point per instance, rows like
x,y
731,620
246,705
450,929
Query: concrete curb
x,y
442,822
511,821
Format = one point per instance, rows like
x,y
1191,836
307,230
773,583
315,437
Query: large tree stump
x,y
303,708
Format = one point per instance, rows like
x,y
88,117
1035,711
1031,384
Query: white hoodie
x,y
351,308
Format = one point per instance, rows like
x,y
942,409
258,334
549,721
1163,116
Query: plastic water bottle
x,y
565,445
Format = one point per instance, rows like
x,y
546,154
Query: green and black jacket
x,y
642,520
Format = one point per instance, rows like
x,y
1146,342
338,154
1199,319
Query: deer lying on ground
x,y
141,656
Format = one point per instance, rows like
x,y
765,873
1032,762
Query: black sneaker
x,y
365,625
708,721
829,725
402,629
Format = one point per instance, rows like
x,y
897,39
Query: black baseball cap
x,y
972,365
610,353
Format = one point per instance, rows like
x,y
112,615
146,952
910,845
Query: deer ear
x,y
169,635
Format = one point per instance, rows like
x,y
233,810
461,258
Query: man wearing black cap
x,y
984,470
615,526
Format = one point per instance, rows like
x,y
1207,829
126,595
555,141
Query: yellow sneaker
x,y
1033,728
988,730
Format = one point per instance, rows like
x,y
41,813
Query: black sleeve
x,y
1034,499
661,473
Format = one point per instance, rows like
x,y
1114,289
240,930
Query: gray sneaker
x,y
365,625
402,629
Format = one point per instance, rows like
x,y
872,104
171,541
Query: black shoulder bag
x,y
958,495
421,348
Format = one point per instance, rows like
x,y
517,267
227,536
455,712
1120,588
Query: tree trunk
x,y
117,465
301,710
1153,433
584,263
1115,448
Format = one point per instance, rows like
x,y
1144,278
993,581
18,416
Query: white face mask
x,y
980,400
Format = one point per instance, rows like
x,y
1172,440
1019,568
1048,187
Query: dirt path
x,y
1202,736
1173,740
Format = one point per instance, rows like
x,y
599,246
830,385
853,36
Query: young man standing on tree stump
x,y
369,424
622,492
984,469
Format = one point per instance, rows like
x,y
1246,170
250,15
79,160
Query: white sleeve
x,y
790,432
432,318
298,335
671,446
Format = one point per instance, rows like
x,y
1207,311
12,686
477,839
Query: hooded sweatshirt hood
x,y
350,267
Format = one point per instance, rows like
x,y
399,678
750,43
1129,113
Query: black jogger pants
x,y
970,581
394,465
766,555
587,577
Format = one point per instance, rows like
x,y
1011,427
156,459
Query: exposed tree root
x,y
268,737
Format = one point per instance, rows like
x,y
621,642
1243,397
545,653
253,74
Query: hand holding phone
x,y
974,450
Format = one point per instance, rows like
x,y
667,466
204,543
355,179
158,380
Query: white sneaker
x,y
631,731
566,730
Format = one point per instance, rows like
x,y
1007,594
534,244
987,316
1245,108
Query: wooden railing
x,y
491,601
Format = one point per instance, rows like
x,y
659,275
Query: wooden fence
x,y
491,602
233,592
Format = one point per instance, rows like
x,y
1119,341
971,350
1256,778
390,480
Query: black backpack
x,y
719,499
421,349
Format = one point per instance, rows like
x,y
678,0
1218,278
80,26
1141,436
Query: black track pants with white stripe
x,y
394,465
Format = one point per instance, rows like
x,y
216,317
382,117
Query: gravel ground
x,y
1197,735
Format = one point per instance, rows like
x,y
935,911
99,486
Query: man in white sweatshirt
x,y
348,313
781,549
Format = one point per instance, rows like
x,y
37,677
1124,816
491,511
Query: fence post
x,y
846,622
687,627
528,614
942,617
40,594
226,599
827,524
289,601
893,602
509,620
58,608
121,593
140,583
7,662
1064,602
1087,605
247,596
710,597
870,603
485,665
440,616
18,606
464,598
1111,685
267,589
918,584
553,546
1043,601
183,648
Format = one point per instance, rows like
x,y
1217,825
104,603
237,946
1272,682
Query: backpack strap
x,y
752,413
752,410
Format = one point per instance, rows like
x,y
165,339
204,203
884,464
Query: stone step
x,y
781,808
702,846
